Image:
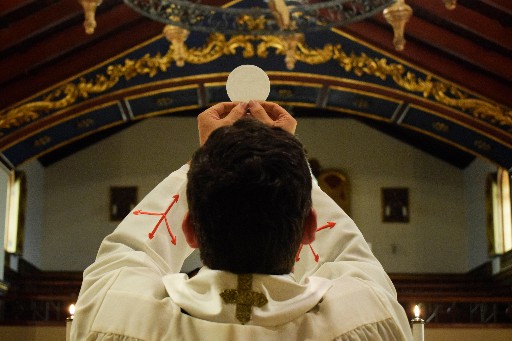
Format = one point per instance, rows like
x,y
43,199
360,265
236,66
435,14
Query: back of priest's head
x,y
249,194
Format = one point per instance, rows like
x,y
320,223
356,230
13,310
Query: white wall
x,y
32,244
77,188
475,177
435,240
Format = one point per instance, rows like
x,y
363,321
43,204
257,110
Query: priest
x,y
281,261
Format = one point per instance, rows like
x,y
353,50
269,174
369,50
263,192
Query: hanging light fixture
x,y
397,15
290,18
89,7
450,4
259,17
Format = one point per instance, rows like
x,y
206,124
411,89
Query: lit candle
x,y
418,326
69,321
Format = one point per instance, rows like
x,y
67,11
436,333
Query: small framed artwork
x,y
395,205
335,184
122,201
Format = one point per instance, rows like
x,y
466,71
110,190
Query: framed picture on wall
x,y
336,185
122,200
395,205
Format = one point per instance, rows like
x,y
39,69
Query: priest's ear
x,y
189,231
310,226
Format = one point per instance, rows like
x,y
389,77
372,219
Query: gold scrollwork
x,y
482,145
42,141
361,103
285,93
85,123
164,101
251,23
440,126
293,47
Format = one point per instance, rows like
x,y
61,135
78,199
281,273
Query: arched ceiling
x,y
448,92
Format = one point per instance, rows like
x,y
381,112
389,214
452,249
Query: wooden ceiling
x,y
43,42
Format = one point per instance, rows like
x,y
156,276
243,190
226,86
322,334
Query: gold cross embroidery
x,y
244,298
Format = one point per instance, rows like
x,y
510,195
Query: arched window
x,y
15,215
499,213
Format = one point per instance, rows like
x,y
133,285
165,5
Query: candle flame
x,y
416,311
72,309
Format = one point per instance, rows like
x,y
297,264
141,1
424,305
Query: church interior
x,y
404,107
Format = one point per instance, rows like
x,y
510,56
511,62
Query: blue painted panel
x,y
356,59
362,102
64,132
459,135
215,94
278,93
163,101
294,93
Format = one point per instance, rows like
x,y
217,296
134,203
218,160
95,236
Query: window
x,y
499,213
15,214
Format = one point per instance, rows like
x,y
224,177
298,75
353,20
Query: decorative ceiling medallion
x,y
261,17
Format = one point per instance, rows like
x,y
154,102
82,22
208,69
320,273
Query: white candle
x,y
69,322
418,326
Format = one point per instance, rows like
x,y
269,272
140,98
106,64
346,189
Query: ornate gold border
x,y
294,50
67,118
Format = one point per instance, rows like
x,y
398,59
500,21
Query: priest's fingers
x,y
219,115
236,113
282,117
279,117
218,111
259,113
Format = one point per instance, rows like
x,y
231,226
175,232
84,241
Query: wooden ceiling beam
x,y
56,46
24,32
464,19
501,5
40,24
14,12
89,56
430,60
7,7
457,47
500,11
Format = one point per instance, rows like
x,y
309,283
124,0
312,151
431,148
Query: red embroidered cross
x,y
163,218
329,225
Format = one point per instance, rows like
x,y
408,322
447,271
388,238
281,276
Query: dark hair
x,y
249,193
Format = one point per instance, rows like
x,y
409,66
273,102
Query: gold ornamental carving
x,y
294,48
42,141
450,4
89,7
441,127
482,145
85,123
397,15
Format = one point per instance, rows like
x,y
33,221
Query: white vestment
x,y
135,291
